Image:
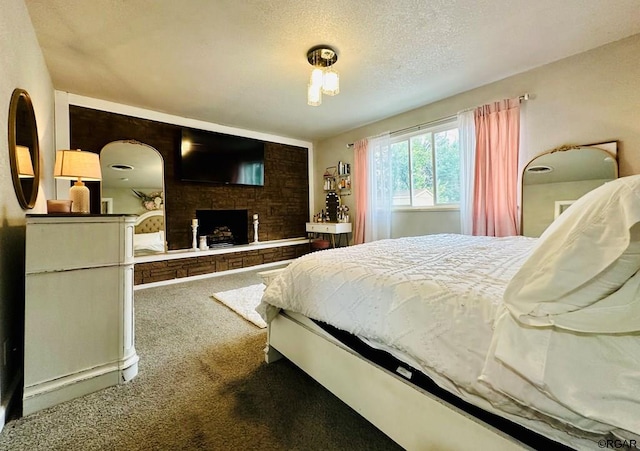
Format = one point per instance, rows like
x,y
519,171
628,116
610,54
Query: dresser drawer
x,y
62,243
319,228
328,227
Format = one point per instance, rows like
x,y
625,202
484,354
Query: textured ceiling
x,y
242,63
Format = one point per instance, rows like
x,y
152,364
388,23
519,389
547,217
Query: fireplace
x,y
223,227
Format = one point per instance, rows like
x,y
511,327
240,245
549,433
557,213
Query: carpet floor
x,y
202,385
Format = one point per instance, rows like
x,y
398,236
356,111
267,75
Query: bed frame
x,y
149,222
412,417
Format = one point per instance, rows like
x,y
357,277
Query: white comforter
x,y
430,299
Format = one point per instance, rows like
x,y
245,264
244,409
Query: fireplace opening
x,y
223,227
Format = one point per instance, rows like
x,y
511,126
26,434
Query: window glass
x,y
400,159
426,168
422,193
447,167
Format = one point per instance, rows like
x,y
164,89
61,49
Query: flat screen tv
x,y
219,158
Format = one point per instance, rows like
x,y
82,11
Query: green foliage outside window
x,y
420,160
448,167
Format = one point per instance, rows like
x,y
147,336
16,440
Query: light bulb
x,y
314,95
317,76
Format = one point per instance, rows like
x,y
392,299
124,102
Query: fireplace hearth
x,y
223,227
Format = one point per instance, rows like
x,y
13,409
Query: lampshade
x,y
330,82
314,95
78,165
75,164
25,166
317,75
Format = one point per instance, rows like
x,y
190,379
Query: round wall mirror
x,y
24,150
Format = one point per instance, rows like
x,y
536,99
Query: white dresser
x,y
79,319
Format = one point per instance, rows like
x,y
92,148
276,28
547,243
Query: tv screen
x,y
219,158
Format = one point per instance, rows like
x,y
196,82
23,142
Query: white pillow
x,y
583,258
149,241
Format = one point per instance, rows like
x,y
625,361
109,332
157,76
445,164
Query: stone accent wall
x,y
194,266
282,204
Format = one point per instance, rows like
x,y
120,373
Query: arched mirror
x,y
332,202
24,149
551,182
133,183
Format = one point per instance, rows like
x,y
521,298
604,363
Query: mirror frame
x,y
332,202
20,95
105,168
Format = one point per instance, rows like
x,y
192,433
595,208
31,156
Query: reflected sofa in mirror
x,y
133,183
551,182
24,148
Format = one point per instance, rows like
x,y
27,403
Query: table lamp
x,y
78,165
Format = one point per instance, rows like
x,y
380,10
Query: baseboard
x,y
49,393
4,408
10,398
44,399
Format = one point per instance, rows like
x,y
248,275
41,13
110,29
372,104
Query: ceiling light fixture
x,y
324,79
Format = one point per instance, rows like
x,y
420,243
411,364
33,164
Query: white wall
x,y
587,98
539,201
124,201
21,66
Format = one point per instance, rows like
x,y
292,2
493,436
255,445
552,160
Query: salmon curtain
x,y
361,189
495,198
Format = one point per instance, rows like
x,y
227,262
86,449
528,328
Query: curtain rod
x,y
521,98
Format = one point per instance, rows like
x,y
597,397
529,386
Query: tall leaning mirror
x,y
551,182
24,149
133,183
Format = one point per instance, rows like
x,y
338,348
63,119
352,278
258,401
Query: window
x,y
426,168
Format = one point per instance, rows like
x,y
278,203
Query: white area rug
x,y
244,301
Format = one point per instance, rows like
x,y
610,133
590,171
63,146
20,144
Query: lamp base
x,y
79,195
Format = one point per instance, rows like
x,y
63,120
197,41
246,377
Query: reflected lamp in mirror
x,y
24,149
25,167
78,165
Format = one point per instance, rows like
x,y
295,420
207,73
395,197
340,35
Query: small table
x,y
330,228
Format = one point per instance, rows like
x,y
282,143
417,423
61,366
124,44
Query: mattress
x,y
429,301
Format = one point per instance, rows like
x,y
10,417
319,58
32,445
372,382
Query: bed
x,y
149,233
533,341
